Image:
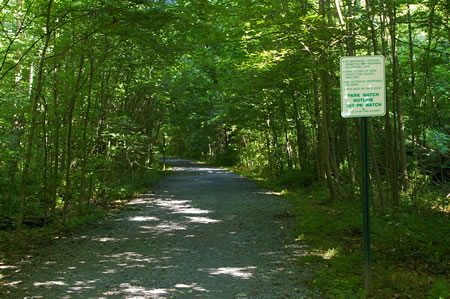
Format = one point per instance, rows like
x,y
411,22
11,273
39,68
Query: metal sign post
x,y
366,206
363,94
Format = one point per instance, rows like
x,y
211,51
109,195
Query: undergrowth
x,y
111,201
409,246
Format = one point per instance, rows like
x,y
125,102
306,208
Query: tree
x,y
95,87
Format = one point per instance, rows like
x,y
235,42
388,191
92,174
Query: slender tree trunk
x,y
15,137
326,152
350,52
427,78
56,125
396,98
275,144
29,148
154,141
375,168
349,153
415,130
286,135
373,33
319,147
14,147
288,150
83,200
67,190
44,195
268,146
298,129
390,153
333,153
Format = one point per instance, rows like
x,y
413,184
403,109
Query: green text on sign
x,y
363,86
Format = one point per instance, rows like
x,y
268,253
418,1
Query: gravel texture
x,y
202,233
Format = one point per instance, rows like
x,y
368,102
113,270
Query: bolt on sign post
x,y
363,95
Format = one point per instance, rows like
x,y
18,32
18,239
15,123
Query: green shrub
x,y
296,179
440,289
225,160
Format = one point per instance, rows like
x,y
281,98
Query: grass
x,y
409,246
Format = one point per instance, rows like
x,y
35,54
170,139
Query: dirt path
x,y
202,233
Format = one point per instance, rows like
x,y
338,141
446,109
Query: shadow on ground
x,y
205,233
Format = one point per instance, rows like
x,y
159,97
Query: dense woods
x,y
93,92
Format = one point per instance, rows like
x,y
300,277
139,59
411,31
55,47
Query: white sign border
x,y
342,87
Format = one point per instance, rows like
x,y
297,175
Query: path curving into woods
x,y
203,232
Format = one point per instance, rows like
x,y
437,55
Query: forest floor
x,y
202,232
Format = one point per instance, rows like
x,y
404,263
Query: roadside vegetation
x,y
39,230
409,245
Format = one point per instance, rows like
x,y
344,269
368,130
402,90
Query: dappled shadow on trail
x,y
205,233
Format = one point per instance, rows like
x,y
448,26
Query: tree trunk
x,y
349,154
15,137
415,115
268,146
375,167
288,147
44,193
28,153
68,195
83,200
396,98
298,129
373,33
427,78
350,52
56,125
319,147
390,153
326,152
276,147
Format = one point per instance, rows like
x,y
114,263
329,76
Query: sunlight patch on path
x,y
202,220
179,206
129,289
193,286
269,192
130,256
105,239
49,283
168,226
142,218
190,210
242,273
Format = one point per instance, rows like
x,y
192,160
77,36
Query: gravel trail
x,y
202,233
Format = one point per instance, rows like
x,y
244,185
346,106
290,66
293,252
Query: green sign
x,y
363,86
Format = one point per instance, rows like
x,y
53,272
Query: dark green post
x,y
366,207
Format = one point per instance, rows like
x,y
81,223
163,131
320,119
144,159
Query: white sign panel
x,y
363,86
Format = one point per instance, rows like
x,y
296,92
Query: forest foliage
x,y
92,92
